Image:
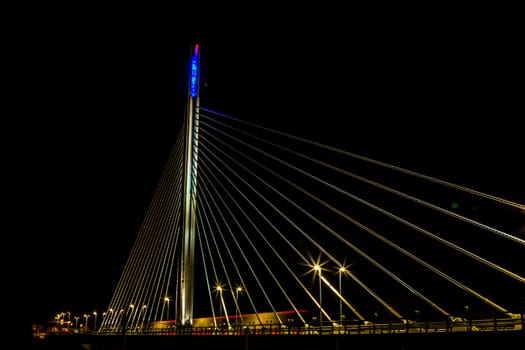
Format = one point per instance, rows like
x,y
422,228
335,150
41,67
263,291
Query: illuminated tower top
x,y
194,81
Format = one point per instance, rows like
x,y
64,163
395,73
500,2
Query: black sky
x,y
438,90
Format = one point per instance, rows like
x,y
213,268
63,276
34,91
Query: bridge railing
x,y
456,325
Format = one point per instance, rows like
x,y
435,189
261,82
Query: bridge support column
x,y
184,316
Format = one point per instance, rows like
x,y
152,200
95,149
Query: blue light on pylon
x,y
193,74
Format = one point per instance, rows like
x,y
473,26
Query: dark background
x,y
99,98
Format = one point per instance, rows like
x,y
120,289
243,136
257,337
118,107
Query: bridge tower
x,y
184,309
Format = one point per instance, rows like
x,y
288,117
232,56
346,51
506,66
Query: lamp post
x,y
219,289
237,290
87,318
167,300
317,268
121,316
111,318
143,310
341,271
223,309
131,318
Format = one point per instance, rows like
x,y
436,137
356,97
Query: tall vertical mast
x,y
187,258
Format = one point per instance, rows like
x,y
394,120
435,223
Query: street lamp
x,y
219,289
131,317
317,268
167,300
342,270
111,315
223,303
87,318
237,290
121,316
143,310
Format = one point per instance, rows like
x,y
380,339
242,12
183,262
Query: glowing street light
x,y
237,290
121,316
317,268
143,311
87,318
111,314
342,270
223,304
103,318
219,289
167,300
131,317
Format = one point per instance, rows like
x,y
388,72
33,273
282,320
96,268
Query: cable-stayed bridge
x,y
252,228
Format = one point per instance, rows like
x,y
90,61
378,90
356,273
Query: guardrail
x,y
514,323
456,325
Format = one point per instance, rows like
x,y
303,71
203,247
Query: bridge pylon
x,y
185,292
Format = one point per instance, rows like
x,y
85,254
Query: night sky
x,y
432,89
